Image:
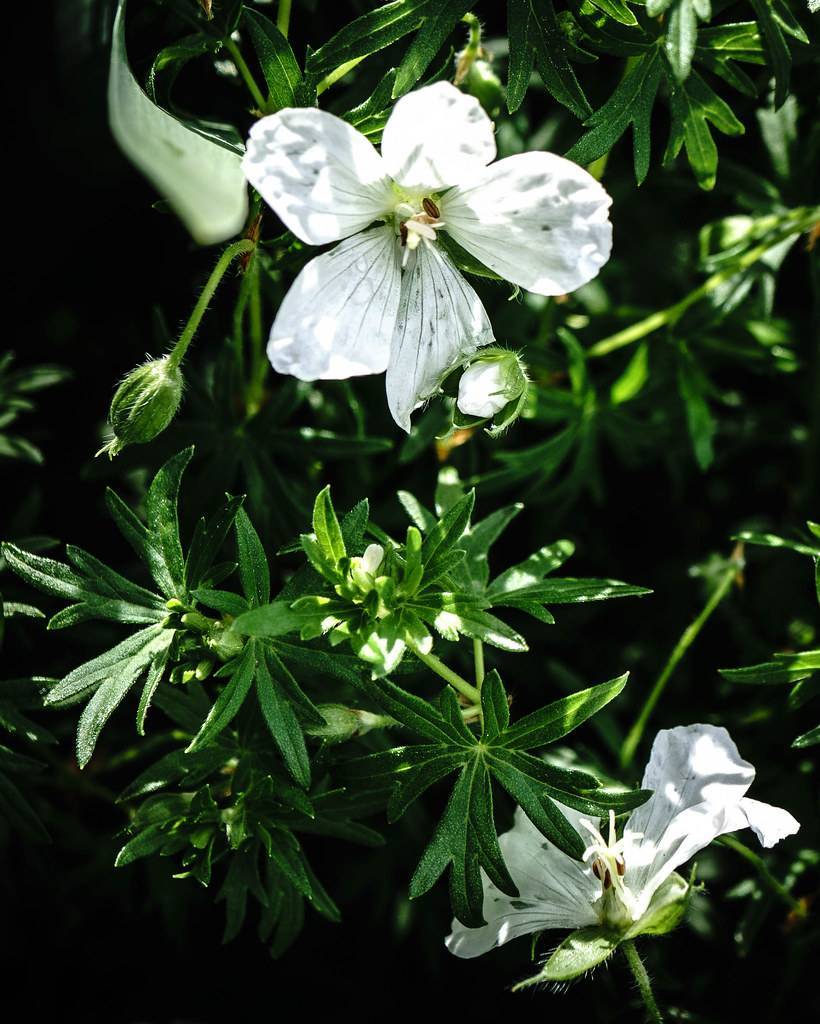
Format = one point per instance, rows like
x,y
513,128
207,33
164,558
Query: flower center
x,y
609,867
417,224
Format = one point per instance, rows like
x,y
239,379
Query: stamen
x,y
431,208
607,880
596,869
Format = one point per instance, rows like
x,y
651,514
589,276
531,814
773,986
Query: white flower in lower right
x,y
699,782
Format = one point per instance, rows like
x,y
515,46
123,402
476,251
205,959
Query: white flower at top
x,y
699,782
389,297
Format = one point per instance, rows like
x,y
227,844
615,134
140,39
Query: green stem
x,y
453,678
283,17
258,363
336,74
189,330
633,958
673,313
478,658
795,905
681,647
245,72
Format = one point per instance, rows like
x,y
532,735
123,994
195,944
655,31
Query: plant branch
x,y
794,904
681,647
633,958
453,678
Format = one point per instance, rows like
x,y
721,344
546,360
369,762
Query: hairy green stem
x,y
245,72
795,905
283,17
189,330
800,221
332,77
633,958
681,647
453,678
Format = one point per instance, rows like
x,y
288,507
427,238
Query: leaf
x,y
788,668
276,59
229,701
368,34
118,680
327,530
562,716
202,180
283,724
162,521
269,620
253,564
536,41
693,386
630,104
682,33
209,535
780,57
695,105
436,27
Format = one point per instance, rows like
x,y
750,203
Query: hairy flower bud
x,y
494,383
483,83
144,404
343,723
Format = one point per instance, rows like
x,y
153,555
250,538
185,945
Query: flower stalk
x,y
633,958
244,245
457,682
798,221
795,905
688,637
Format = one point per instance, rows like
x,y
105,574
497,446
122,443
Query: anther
x,y
620,867
403,233
596,869
430,208
607,880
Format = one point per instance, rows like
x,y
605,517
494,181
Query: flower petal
x,y
441,320
323,178
338,318
536,219
770,824
436,137
699,781
555,892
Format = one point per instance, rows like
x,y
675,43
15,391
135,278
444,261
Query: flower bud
x,y
341,724
494,381
483,83
144,404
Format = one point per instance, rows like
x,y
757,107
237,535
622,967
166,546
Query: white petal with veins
x,y
555,891
536,219
338,318
700,782
441,320
435,137
324,180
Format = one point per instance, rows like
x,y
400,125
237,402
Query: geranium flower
x,y
699,782
389,297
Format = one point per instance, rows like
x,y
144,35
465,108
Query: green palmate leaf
x,y
228,703
369,33
536,40
630,104
695,105
139,648
97,592
276,58
438,23
465,839
201,179
113,686
253,564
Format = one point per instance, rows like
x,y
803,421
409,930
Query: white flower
x,y
487,385
388,297
699,782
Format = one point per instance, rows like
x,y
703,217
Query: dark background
x,y
89,262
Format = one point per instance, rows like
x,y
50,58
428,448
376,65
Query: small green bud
x,y
194,620
493,387
203,669
343,723
144,404
224,643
